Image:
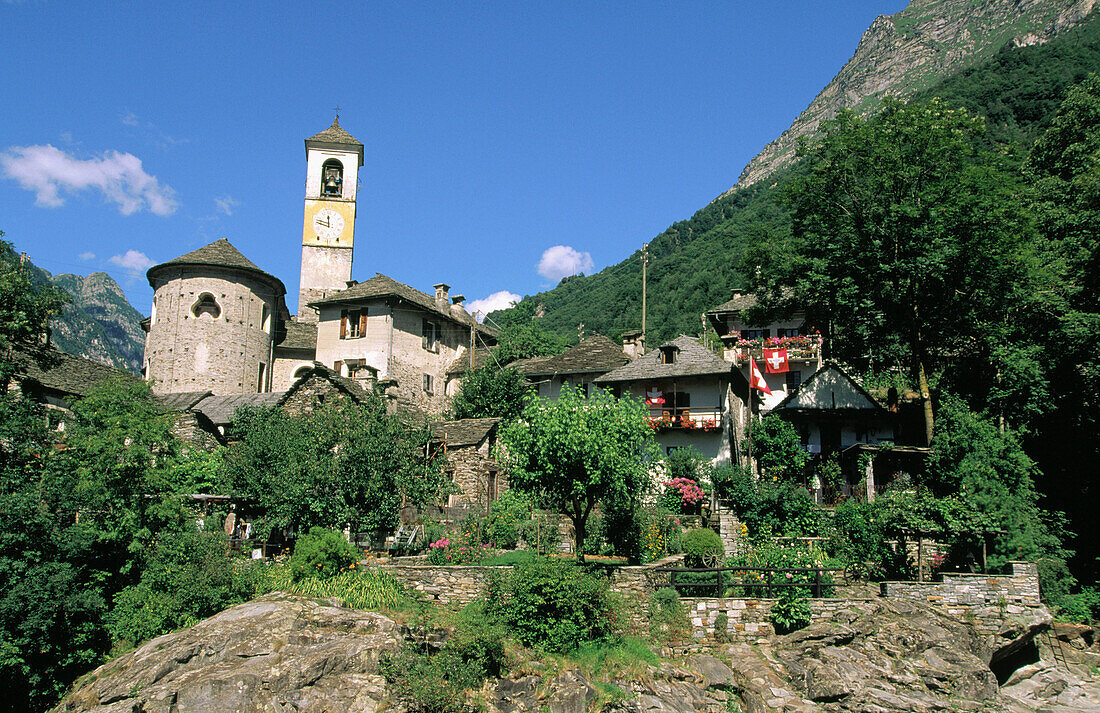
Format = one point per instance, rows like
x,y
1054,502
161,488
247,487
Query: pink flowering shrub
x,y
690,492
445,551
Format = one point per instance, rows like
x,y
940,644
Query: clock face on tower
x,y
328,225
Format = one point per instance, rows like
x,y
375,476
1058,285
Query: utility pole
x,y
473,344
645,261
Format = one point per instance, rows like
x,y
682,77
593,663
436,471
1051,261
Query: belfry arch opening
x,y
332,178
206,304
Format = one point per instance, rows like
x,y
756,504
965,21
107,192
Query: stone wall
x,y
1020,589
444,584
472,472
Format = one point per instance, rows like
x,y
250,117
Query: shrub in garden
x,y
702,547
321,554
668,620
553,605
771,555
790,612
683,495
456,550
542,533
508,513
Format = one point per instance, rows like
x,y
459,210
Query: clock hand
x,y
326,223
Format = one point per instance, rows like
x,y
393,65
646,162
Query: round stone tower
x,y
213,318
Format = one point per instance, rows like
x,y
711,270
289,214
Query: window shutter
x,y
424,329
338,367
363,323
344,324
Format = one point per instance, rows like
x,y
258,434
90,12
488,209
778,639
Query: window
x,y
206,304
785,332
794,378
265,319
353,323
668,355
430,334
755,333
428,384
260,378
332,178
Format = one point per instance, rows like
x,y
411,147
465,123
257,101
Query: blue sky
x,y
500,138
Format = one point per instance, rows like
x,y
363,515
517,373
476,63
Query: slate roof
x,y
335,134
818,380
596,353
464,432
219,253
299,335
181,401
382,286
461,365
349,386
693,359
61,372
741,301
220,409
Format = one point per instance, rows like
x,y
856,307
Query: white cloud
x,y
133,261
130,119
49,172
495,301
226,204
561,261
87,256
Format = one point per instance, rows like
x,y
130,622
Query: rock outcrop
x,y
276,653
907,51
284,653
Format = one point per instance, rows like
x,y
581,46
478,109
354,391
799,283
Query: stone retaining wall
x,y
1020,589
459,584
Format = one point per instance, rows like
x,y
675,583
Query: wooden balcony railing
x,y
686,418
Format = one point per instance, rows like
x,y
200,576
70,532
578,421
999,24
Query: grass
x,y
366,589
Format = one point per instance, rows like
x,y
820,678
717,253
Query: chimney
x,y
633,344
441,293
458,300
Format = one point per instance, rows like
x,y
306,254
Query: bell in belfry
x,y
333,181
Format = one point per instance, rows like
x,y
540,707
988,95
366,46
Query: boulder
x,y
275,653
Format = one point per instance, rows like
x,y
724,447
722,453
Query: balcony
x,y
799,349
685,419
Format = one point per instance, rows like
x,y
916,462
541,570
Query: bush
x,y
553,605
542,533
703,547
668,620
507,516
1082,608
771,555
187,576
321,554
790,612
459,550
768,507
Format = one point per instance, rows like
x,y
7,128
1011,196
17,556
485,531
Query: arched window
x,y
332,178
206,304
301,371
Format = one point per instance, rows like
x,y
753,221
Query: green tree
x,y
778,449
25,309
523,341
577,452
490,392
911,241
340,465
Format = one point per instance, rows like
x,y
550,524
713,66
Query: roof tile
x,y
596,353
692,359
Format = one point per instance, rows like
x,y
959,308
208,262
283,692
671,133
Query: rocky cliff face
x,y
283,653
905,52
99,323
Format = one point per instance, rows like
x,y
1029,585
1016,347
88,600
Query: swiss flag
x,y
775,361
756,379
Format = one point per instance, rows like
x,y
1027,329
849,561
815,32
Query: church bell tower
x,y
333,158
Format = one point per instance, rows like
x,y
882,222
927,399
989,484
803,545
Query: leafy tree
x,y
910,241
577,452
490,392
339,465
777,448
25,309
523,341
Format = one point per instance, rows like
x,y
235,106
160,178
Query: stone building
x,y
221,324
212,323
578,366
468,445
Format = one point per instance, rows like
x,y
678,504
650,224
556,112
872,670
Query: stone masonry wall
x,y
444,584
471,473
1020,589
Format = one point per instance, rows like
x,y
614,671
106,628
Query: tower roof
x,y
219,253
334,137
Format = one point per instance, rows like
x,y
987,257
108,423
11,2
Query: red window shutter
x,y
344,324
363,323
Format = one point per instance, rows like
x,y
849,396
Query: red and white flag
x,y
756,379
775,361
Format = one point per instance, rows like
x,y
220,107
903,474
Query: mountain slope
x,y
693,264
98,323
910,50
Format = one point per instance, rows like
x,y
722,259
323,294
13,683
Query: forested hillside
x,y
696,262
